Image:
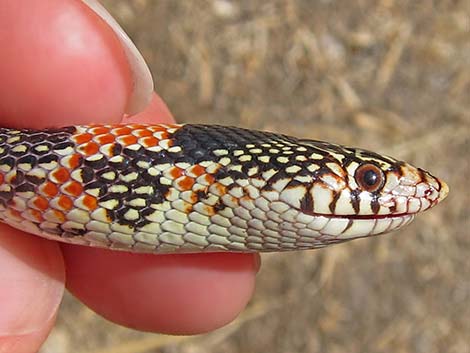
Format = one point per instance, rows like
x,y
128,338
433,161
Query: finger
x,y
177,294
46,77
156,112
61,65
31,282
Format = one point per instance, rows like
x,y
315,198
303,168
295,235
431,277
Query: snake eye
x,y
369,177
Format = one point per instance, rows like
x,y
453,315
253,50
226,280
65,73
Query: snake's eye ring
x,y
369,177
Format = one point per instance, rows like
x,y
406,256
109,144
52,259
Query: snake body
x,y
194,188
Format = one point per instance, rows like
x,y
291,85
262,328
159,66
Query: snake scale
x,y
193,188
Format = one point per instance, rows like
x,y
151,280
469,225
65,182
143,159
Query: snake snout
x,y
443,192
430,190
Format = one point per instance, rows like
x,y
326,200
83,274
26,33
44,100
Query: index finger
x,y
61,65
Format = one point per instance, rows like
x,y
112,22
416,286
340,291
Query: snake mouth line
x,y
364,217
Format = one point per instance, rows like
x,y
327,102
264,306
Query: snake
x,y
189,188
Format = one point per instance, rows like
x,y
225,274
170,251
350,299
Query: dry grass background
x,y
389,75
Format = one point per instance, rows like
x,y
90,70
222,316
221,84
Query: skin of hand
x,y
62,65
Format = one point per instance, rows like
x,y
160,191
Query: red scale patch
x,y
88,148
90,202
74,161
121,131
73,188
65,202
48,189
149,141
35,214
127,140
142,133
59,175
104,139
164,136
209,178
59,215
221,189
184,183
176,172
157,128
40,203
195,171
99,130
82,138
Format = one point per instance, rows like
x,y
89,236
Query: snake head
x,y
354,193
373,186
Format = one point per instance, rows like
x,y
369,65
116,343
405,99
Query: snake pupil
x,y
369,177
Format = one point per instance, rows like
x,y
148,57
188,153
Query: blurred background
x,y
392,76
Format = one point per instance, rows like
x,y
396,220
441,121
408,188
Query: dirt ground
x,y
391,76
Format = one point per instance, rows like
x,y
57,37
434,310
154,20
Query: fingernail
x,y
31,282
143,82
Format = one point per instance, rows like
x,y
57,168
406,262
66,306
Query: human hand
x,y
62,65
